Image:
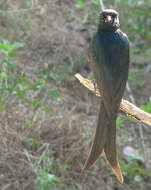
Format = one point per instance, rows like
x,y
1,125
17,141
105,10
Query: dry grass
x,y
66,135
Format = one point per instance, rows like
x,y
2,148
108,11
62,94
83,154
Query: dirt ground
x,y
56,37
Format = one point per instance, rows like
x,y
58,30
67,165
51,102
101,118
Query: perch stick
x,y
126,106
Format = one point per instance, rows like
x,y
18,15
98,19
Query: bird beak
x,y
108,19
116,22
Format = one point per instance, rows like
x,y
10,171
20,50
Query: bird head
x,y
109,20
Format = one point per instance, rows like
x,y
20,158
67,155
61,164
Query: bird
x,y
108,54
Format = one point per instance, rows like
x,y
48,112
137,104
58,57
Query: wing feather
x,y
110,73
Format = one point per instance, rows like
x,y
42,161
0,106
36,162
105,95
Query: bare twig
x,y
126,106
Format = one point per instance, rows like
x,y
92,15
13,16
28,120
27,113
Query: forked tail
x,y
105,140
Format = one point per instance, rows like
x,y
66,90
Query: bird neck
x,y
107,29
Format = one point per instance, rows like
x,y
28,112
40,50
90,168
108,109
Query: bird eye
x,y
113,16
104,16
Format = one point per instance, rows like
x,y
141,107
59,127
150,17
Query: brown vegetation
x,y
55,38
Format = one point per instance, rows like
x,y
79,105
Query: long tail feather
x,y
110,151
105,140
99,139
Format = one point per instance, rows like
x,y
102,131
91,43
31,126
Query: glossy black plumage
x,y
109,59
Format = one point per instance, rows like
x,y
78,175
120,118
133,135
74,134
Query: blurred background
x,y
47,118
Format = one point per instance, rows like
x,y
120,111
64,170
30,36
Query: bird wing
x,y
110,72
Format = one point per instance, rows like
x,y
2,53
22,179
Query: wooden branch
x,y
126,106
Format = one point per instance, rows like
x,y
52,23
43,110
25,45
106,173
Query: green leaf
x,y
53,75
31,87
6,47
2,100
66,166
129,117
41,82
28,124
119,123
11,88
36,102
55,94
12,54
48,110
20,93
71,188
137,12
44,176
2,108
32,144
28,4
22,80
80,4
147,108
